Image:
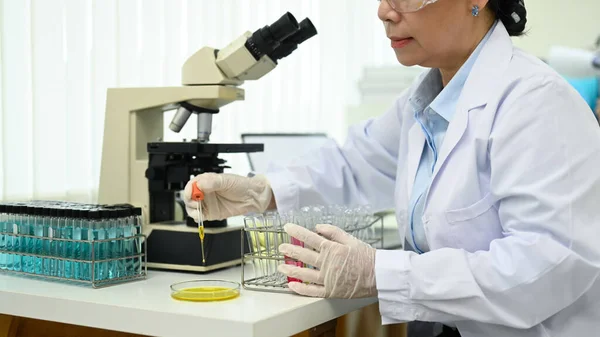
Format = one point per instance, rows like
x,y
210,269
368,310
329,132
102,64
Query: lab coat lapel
x,y
484,77
416,141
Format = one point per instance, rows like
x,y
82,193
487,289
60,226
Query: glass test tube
x,y
117,249
99,223
10,240
50,263
3,238
45,242
16,241
58,245
112,246
137,241
36,244
41,232
23,242
77,247
90,225
68,246
129,243
27,228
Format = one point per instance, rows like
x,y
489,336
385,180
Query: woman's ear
x,y
479,3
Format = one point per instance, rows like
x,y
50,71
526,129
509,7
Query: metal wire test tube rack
x,y
264,233
88,268
96,245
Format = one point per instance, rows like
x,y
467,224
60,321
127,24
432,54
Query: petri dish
x,y
205,290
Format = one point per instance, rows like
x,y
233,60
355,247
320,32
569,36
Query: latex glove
x,y
227,195
346,265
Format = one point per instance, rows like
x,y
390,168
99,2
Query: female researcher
x,y
490,159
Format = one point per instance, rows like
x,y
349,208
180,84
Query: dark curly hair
x,y
512,13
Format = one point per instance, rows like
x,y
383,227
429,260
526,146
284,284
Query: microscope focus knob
x,y
154,173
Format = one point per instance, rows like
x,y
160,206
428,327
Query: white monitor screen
x,y
280,148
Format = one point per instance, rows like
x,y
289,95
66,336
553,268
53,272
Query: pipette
x,y
198,195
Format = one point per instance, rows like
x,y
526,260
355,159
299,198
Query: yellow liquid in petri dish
x,y
205,294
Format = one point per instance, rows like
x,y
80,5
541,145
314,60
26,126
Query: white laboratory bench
x,y
145,307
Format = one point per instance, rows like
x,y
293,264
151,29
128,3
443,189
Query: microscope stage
x,y
201,148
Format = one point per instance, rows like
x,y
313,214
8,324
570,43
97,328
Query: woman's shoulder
x,y
532,91
527,69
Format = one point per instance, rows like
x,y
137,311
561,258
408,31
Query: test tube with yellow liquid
x,y
198,196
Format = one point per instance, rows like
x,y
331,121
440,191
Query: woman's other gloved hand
x,y
227,195
345,265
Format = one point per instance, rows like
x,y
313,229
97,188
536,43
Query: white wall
x,y
555,22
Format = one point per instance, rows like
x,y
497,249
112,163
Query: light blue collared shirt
x,y
434,108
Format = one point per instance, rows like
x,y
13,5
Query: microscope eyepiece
x,y
266,39
284,27
305,32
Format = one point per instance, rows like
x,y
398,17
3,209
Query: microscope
x,y
140,169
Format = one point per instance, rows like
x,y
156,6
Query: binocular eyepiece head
x,y
281,38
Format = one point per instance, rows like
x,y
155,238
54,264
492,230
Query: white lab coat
x,y
513,214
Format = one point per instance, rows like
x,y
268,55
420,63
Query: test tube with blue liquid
x,y
38,242
21,222
51,264
137,242
111,220
16,242
3,238
26,227
77,247
46,242
58,244
10,242
130,243
68,247
100,231
89,251
122,225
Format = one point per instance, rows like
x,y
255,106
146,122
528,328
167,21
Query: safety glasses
x,y
407,6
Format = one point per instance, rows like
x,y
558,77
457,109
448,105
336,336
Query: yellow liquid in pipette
x,y
201,233
206,294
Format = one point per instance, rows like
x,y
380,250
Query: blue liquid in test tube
x,y
40,224
77,248
120,250
3,238
53,233
112,247
89,251
27,227
21,227
10,239
137,242
67,248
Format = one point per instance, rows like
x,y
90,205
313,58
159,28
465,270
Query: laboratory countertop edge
x,y
146,307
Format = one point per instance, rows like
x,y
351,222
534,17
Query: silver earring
x,y
475,10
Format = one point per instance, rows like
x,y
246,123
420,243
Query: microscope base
x,y
177,247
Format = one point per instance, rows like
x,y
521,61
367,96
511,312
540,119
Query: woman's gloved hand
x,y
227,195
346,265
